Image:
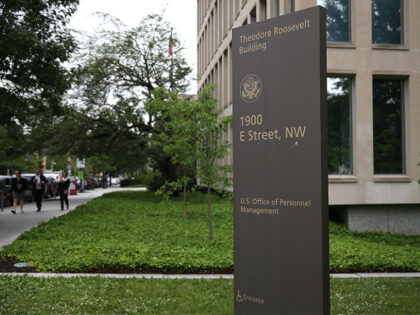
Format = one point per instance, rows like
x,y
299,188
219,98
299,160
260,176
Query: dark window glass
x,y
263,7
388,136
253,15
338,19
284,6
339,126
387,21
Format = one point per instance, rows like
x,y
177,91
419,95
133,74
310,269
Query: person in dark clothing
x,y
39,188
18,189
63,189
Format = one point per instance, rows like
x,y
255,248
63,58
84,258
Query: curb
x,y
119,276
202,276
375,275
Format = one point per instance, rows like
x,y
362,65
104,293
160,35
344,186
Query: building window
x,y
388,134
339,125
284,7
387,22
263,10
253,15
338,20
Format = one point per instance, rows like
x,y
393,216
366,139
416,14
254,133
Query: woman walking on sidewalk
x,y
18,189
63,189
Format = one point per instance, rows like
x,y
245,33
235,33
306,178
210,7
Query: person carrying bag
x,y
63,189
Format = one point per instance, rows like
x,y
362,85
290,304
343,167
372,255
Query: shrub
x,y
154,181
125,182
136,180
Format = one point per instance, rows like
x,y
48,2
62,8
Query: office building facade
x,y
373,69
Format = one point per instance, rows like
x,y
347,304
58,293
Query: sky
x,y
182,14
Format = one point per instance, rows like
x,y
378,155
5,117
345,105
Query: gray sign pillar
x,y
280,165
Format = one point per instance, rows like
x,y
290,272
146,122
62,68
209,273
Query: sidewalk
x,y
12,225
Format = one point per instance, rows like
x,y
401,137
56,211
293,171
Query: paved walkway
x,y
202,276
12,225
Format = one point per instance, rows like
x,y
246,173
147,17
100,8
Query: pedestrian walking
x,y
63,189
39,188
18,190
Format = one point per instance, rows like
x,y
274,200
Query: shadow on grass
x,y
387,238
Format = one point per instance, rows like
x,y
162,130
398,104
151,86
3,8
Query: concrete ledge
x,y
342,179
391,179
386,218
394,218
375,275
120,276
199,276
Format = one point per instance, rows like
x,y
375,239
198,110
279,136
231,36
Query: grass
x,y
372,251
375,296
131,231
26,295
138,232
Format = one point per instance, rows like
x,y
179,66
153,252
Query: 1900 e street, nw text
x,y
250,134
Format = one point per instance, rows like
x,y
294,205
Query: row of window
x,y
388,131
221,76
217,26
221,19
387,21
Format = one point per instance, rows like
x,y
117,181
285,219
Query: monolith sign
x,y
280,165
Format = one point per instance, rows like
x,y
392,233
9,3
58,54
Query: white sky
x,y
182,14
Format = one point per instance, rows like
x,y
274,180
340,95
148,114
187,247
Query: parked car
x,y
115,181
52,184
97,182
6,187
29,186
90,183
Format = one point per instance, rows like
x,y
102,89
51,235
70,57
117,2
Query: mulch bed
x,y
7,265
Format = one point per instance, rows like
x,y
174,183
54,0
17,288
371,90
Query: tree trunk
x,y
185,201
210,215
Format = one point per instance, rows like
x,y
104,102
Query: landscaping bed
x,y
131,232
126,232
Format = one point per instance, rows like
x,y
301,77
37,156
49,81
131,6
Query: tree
x,y
106,136
118,72
34,44
177,136
209,127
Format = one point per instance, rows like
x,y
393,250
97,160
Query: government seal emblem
x,y
251,87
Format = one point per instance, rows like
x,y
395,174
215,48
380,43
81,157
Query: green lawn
x,y
138,232
26,295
